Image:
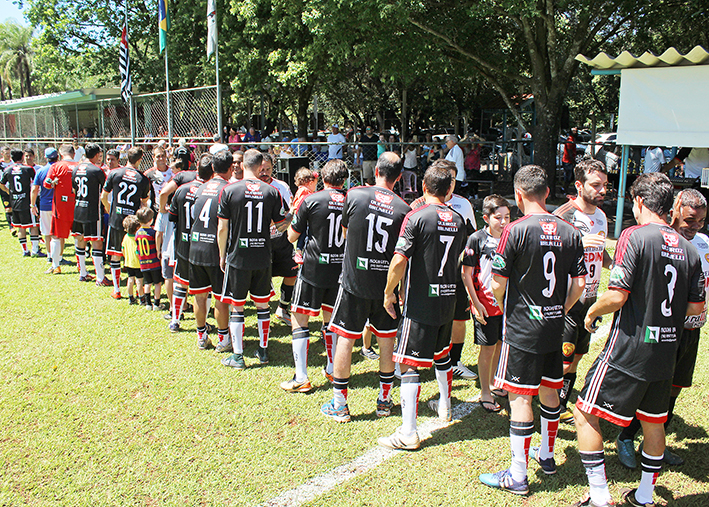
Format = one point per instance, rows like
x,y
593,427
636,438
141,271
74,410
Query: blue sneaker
x,y
339,414
626,452
548,465
503,480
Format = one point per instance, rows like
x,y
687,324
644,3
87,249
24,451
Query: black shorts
x,y
420,344
114,241
182,272
576,340
135,272
686,358
283,264
24,219
522,372
91,231
488,334
462,303
205,279
616,397
238,283
351,314
308,299
154,276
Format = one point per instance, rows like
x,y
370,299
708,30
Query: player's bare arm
x,y
610,301
165,194
222,238
478,309
34,193
292,235
144,202
499,286
575,291
104,200
694,309
397,268
4,188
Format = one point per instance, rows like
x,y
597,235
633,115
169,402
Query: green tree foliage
x,y
16,60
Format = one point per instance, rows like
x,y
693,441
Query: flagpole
x,y
169,102
219,90
130,95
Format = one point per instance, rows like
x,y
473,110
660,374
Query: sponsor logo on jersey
x,y
324,258
195,236
243,242
383,198
498,262
434,290
671,238
549,228
602,234
617,274
254,187
706,256
582,227
337,197
702,245
652,334
185,237
362,263
446,216
401,242
535,312
568,349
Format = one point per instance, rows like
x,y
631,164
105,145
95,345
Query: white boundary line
x,y
374,457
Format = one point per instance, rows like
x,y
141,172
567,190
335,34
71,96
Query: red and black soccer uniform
x,y
18,179
88,181
661,272
63,203
205,273
317,285
129,187
432,238
373,218
148,256
537,254
479,254
181,214
250,205
184,177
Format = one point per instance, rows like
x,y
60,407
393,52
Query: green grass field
x,y
101,405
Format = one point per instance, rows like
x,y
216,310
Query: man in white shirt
x,y
336,141
218,145
78,151
654,159
455,155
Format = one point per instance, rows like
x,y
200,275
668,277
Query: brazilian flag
x,y
163,23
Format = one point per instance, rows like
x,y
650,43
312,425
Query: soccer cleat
x,y
26,254
132,300
87,278
235,361
39,254
503,480
174,327
204,343
587,502
399,441
283,315
462,371
384,408
327,375
668,457
293,386
628,496
548,465
567,417
224,346
116,295
369,353
65,262
626,452
339,414
49,270
104,283
445,416
261,354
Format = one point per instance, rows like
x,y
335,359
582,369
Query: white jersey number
x,y
549,261
123,197
448,241
379,223
336,236
82,183
250,215
204,214
666,305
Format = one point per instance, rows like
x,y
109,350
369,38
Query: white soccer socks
x,y
550,426
520,439
410,392
301,341
264,326
236,327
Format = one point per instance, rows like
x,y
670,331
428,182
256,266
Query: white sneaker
x,y
462,371
398,441
283,315
443,415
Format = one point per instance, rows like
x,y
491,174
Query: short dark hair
x,y
221,161
531,180
252,159
114,153
145,215
492,202
586,167
656,191
335,172
92,149
389,166
16,154
178,164
693,198
204,167
304,176
438,179
445,164
135,154
29,150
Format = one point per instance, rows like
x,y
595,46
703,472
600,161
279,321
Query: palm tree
x,y
16,57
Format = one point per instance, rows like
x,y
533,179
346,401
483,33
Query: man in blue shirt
x,y
43,206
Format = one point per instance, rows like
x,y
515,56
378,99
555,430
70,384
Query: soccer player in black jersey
x,y
321,214
205,274
655,282
247,209
372,218
534,260
431,240
16,179
130,191
88,179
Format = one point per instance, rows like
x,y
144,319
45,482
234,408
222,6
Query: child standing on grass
x,y
477,276
149,253
307,182
131,262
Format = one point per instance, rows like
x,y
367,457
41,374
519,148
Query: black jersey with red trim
x,y
537,254
204,250
181,214
184,177
321,215
87,180
250,205
128,187
661,272
18,179
432,238
479,254
373,218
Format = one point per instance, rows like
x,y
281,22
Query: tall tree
x,y
16,55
